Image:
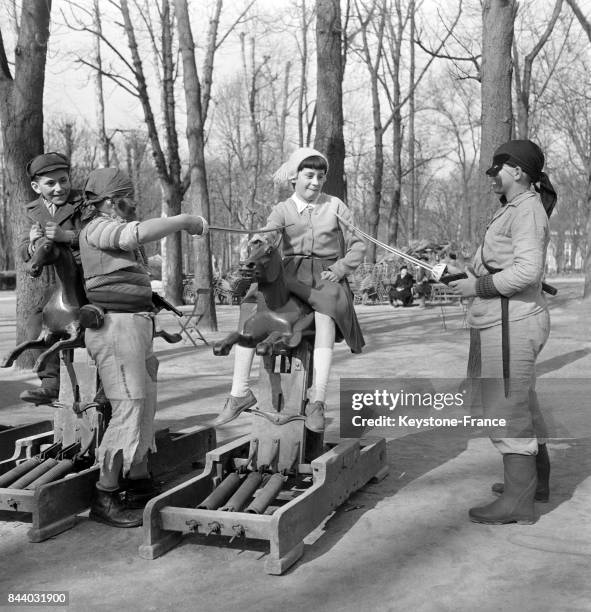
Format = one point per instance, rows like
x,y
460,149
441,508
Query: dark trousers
x,y
50,374
404,295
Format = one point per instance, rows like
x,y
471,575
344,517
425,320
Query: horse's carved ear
x,y
275,244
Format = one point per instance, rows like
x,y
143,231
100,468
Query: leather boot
x,y
516,504
107,508
139,492
543,471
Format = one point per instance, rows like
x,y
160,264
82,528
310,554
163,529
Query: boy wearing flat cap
x,y
56,215
510,324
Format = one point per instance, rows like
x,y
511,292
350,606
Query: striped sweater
x,y
116,275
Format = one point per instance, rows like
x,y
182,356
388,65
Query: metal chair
x,y
192,315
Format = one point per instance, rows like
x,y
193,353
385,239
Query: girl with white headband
x,y
318,254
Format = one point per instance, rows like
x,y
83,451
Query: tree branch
x,y
5,73
585,24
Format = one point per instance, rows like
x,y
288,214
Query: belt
x,y
505,349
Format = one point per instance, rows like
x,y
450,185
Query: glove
x,y
35,232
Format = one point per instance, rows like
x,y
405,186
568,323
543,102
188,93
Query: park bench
x,y
441,295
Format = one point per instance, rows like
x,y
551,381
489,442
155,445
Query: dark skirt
x,y
302,275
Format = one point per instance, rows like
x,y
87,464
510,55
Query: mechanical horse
x,y
277,318
281,480
61,315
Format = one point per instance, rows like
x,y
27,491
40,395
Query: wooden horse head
x,y
273,319
47,252
261,262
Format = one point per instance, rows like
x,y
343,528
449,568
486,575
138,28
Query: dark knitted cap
x,y
48,162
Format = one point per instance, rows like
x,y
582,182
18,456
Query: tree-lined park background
x,y
201,100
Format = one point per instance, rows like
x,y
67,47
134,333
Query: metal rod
x,y
55,473
29,477
387,247
266,495
20,470
244,493
221,493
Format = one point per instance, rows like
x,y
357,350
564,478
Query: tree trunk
x,y
6,253
373,66
197,194
21,116
303,88
412,200
168,174
498,17
586,25
394,216
395,33
329,97
523,82
172,273
104,142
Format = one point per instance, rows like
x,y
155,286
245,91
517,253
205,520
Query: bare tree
x,y
305,122
104,139
397,16
21,116
197,96
412,200
498,18
523,75
367,18
329,93
165,154
586,25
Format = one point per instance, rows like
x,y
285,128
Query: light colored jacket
x,y
516,241
318,233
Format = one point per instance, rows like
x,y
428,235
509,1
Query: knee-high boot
x,y
543,472
516,504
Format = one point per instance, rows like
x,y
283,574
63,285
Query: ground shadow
x,y
570,466
559,361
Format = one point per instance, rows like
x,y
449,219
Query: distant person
x,y
400,293
55,214
510,324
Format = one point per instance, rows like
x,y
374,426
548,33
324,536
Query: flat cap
x,y
42,164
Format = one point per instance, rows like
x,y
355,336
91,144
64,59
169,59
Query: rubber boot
x,y
543,471
107,508
516,504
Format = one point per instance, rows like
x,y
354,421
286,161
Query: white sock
x,y
243,358
322,363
